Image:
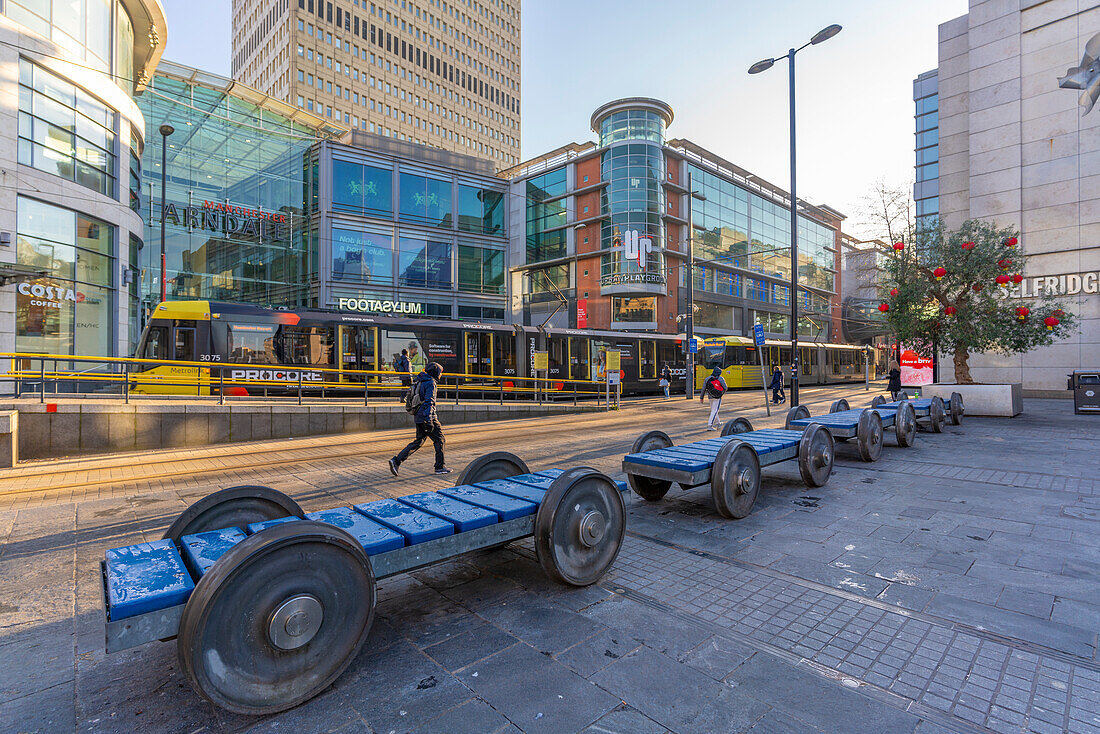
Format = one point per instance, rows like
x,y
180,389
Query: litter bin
x,y
1086,392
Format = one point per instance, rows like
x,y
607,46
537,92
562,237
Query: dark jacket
x,y
777,381
894,385
666,373
403,367
428,388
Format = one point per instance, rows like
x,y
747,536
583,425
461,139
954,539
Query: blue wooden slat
x,y
506,508
514,489
201,550
374,538
144,578
533,480
416,526
552,473
255,527
648,459
462,515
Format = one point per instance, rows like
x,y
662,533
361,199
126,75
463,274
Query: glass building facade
x,y
926,192
743,242
399,235
632,163
236,226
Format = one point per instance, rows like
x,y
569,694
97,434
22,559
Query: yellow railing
x,y
180,377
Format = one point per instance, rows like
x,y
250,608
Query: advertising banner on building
x,y
582,313
916,371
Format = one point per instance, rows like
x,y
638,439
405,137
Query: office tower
x,y
445,74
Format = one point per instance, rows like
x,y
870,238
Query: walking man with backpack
x,y
420,400
714,388
776,386
404,368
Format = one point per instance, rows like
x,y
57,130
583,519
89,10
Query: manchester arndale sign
x,y
1070,284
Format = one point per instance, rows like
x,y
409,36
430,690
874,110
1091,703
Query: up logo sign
x,y
637,248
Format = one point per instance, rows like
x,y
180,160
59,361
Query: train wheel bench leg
x,y
955,409
278,618
905,424
495,465
936,415
649,489
735,479
869,435
815,455
796,413
233,507
579,527
736,425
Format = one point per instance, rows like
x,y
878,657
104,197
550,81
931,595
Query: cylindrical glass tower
x,y
632,131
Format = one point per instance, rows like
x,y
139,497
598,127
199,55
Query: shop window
x,y
362,257
480,270
425,200
480,210
424,264
640,312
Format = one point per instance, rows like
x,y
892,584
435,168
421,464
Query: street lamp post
x,y
165,131
823,35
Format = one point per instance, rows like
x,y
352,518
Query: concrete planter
x,y
1004,401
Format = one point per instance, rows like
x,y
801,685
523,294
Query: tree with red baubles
x,y
1017,279
899,246
942,273
884,307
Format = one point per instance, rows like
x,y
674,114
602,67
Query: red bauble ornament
x,y
950,310
939,273
1011,242
899,246
1051,322
977,287
1017,278
1059,313
1022,312
1003,280
894,292
968,245
1005,264
884,307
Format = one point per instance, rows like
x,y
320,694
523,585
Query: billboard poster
x,y
916,371
582,313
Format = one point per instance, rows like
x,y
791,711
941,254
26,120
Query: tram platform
x,y
66,426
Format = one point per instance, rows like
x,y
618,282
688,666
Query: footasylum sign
x,y
373,305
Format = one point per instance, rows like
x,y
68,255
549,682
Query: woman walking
x,y
894,380
714,388
666,379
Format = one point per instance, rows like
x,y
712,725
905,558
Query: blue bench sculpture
x,y
730,463
933,409
269,604
866,426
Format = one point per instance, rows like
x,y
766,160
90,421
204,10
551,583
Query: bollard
x,y
126,387
299,387
366,381
502,392
221,386
574,395
42,390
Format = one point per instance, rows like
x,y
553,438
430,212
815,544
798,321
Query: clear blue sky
x,y
855,111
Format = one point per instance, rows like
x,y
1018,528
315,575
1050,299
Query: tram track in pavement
x,y
149,466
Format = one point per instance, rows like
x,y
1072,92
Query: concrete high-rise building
x,y
444,73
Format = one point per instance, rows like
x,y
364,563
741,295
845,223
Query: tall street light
x,y
165,131
823,35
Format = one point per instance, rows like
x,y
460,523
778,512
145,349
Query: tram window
x,y
667,354
504,354
556,347
648,367
185,344
307,345
714,356
156,343
251,344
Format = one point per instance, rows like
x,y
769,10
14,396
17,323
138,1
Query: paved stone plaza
x,y
952,586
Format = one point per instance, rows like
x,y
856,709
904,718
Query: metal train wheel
x,y
277,618
494,465
839,406
815,455
936,414
955,409
905,424
877,401
579,527
735,479
869,435
649,489
796,413
233,507
736,425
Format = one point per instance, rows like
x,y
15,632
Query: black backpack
x,y
714,388
413,400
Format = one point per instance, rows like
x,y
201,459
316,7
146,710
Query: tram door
x,y
479,353
356,351
580,365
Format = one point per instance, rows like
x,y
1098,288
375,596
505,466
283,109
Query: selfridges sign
x,y
223,218
1070,284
